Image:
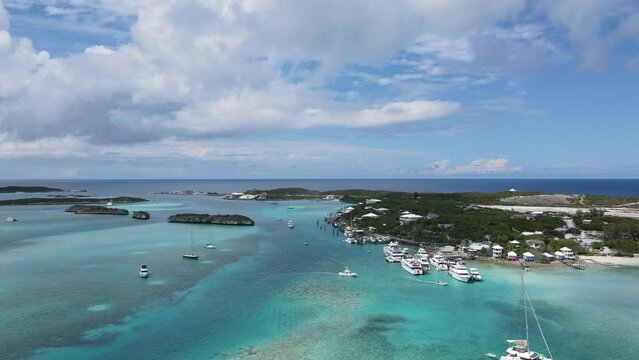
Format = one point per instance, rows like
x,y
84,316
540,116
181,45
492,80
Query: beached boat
x,y
474,274
520,349
460,273
191,255
291,224
144,271
412,266
347,273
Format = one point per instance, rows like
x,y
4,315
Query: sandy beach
x,y
612,211
611,260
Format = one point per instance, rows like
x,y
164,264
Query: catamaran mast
x,y
523,300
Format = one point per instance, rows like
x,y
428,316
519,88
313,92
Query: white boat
x,y
459,272
392,259
412,266
291,224
209,246
439,262
191,255
347,272
144,271
11,218
388,249
520,349
474,274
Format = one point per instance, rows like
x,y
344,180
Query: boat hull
x,y
411,270
458,277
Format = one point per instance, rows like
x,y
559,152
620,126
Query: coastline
x,y
611,260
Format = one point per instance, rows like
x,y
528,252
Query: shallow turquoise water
x,y
70,290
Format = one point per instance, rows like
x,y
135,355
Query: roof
x,y
514,242
559,253
411,216
512,253
370,215
497,247
547,254
528,254
535,241
565,249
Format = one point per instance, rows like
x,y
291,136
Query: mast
x,y
523,301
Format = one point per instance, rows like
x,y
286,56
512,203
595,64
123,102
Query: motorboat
x,y
347,272
392,259
209,246
460,273
438,261
291,224
412,265
474,274
11,218
144,271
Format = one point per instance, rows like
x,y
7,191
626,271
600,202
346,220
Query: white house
x,y
559,255
247,197
511,256
529,233
535,243
528,257
497,250
548,256
348,209
406,218
568,254
514,243
373,201
382,210
370,216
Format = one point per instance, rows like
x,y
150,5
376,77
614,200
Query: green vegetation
x,y
620,233
27,189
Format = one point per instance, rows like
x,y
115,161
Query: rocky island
x,y
96,210
212,219
141,215
28,189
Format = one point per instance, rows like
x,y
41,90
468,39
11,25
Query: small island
x,y
71,200
27,189
96,210
239,220
141,215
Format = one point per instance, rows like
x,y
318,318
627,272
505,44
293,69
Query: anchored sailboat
x,y
520,349
191,254
12,217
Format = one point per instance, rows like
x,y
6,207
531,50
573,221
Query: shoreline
x,y
611,260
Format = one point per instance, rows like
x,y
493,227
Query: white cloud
x,y
476,167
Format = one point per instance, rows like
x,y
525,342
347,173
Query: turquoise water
x,y
70,290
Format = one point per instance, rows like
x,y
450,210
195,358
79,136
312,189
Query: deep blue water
x,y
626,187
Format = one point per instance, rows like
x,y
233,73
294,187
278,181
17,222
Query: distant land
x,y
212,219
28,189
70,201
96,210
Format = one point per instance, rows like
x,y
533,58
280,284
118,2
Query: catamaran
x,y
520,349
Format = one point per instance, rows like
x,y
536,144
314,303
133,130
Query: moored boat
x,y
412,266
474,274
291,224
347,273
191,255
460,273
144,271
439,262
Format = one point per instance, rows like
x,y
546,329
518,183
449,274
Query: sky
x,y
319,89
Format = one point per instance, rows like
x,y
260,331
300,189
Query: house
x,y
548,256
476,247
568,254
528,257
348,209
247,197
262,196
535,243
512,256
530,233
559,255
432,216
370,216
497,250
382,210
406,218
373,201
514,243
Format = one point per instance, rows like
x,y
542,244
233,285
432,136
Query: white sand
x,y
612,260
621,212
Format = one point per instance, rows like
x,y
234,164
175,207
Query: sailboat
x,y
110,202
191,254
12,217
520,349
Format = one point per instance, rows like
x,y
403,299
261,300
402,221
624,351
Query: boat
x,y
474,274
392,259
110,202
442,283
412,265
520,349
291,224
459,272
209,246
191,255
305,242
439,262
144,271
347,272
12,217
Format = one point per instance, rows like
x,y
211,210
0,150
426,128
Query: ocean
x,y
69,287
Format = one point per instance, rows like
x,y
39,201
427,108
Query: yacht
x,y
439,262
474,274
392,259
191,255
459,272
412,265
291,224
209,246
144,271
347,272
388,249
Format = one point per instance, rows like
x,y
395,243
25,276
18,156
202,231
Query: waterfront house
x,y
528,257
514,243
477,247
512,256
497,251
559,255
548,256
248,197
568,254
535,243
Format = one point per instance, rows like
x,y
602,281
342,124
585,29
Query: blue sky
x,y
325,89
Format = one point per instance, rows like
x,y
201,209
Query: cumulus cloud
x,y
476,167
